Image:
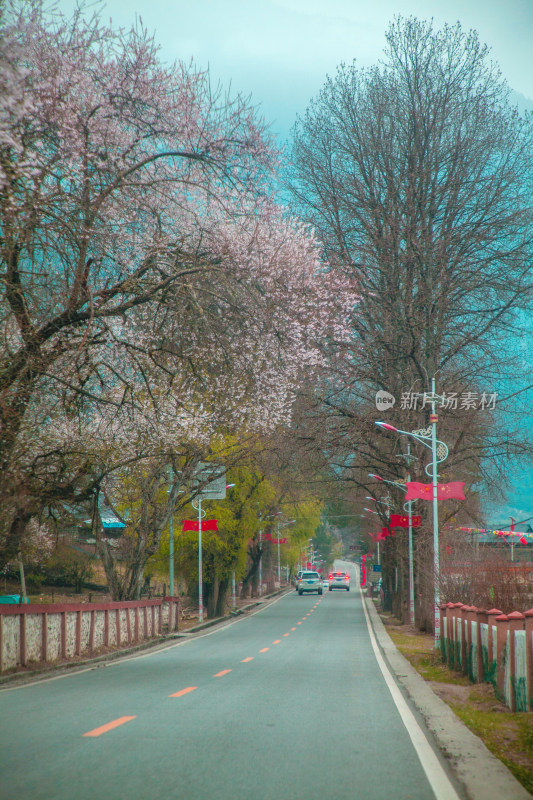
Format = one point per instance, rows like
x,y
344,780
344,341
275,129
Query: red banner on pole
x,y
382,534
207,525
445,491
402,521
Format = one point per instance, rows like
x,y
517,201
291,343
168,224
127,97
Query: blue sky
x,y
280,51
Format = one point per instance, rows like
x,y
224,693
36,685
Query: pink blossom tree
x,y
153,291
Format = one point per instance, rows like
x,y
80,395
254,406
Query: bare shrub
x,y
491,581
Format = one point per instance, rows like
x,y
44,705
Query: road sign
x,y
376,568
212,479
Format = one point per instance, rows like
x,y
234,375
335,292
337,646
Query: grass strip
x,y
508,735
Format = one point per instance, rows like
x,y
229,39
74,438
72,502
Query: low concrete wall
x,y
491,647
49,633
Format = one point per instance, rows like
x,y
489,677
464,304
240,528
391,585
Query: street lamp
x,y
410,519
201,515
278,526
428,437
371,510
212,490
233,595
171,478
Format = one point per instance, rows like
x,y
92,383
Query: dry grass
x,y
509,736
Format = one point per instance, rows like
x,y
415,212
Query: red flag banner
x,y
383,534
266,537
207,525
279,541
445,491
402,521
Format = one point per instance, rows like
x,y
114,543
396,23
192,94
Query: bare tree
x,y
417,176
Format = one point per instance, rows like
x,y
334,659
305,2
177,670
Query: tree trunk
x,y
15,534
220,608
211,599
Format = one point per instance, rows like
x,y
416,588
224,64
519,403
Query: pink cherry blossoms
x,y
154,292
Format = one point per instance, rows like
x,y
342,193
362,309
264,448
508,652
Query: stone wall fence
x,y
491,647
43,634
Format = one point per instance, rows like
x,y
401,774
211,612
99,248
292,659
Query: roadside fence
x,y
44,634
491,647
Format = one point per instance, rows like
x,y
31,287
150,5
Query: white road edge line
x,y
442,787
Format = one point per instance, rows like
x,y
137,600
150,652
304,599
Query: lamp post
x,y
171,554
309,553
210,479
278,526
377,542
279,564
260,563
233,594
439,453
200,566
171,534
409,510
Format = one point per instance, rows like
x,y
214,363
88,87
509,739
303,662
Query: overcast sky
x,y
280,51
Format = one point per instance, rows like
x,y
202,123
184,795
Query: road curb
x,y
480,773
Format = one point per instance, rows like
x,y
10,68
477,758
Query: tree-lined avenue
x,y
224,715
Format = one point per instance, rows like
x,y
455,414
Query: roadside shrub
x,y
34,582
69,567
488,580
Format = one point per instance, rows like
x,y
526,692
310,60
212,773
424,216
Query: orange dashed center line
x,y
184,691
109,726
250,658
293,629
223,672
286,634
298,623
277,641
264,649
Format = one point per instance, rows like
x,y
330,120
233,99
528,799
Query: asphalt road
x,y
288,703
